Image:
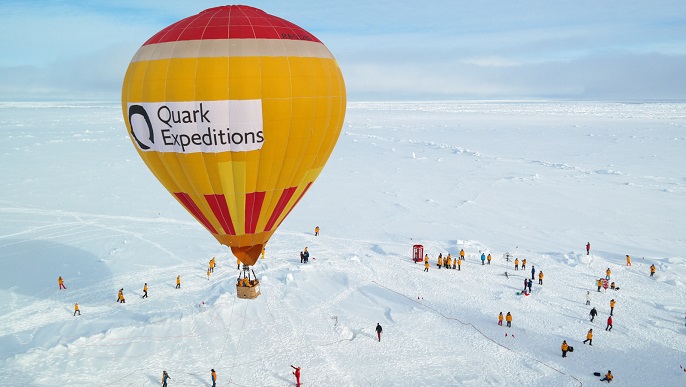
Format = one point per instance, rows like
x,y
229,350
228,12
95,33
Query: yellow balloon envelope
x,y
235,112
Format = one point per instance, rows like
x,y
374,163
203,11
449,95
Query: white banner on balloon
x,y
197,126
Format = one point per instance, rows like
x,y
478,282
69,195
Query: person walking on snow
x,y
589,337
588,248
533,271
145,290
600,284
612,306
178,282
297,375
60,282
316,231
165,376
426,265
540,277
593,313
508,318
462,254
565,348
214,378
652,270
440,260
524,264
76,309
378,331
628,260
517,264
500,319
488,258
459,265
212,263
608,377
120,296
609,324
483,259
588,297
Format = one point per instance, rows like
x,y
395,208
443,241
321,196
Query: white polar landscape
x,y
537,180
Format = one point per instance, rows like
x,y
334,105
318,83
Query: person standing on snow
x,y
593,313
483,259
517,264
208,273
214,378
448,261
600,283
530,283
178,282
440,260
540,277
589,337
461,254
524,264
306,255
488,258
76,309
500,319
302,257
378,331
145,290
588,297
316,231
652,270
60,282
533,271
612,306
628,260
526,283
459,265
607,273
588,248
426,265
565,348
165,376
120,296
609,324
508,318
297,375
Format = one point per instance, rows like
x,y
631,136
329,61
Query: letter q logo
x,y
140,115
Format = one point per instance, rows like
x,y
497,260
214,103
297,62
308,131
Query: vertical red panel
x,y
253,205
221,212
283,200
187,202
296,202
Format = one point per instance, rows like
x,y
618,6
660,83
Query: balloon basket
x,y
247,286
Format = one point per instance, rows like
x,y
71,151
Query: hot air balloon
x,y
235,111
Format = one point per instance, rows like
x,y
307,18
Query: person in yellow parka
x,y
212,263
488,258
448,261
208,273
628,260
145,290
612,306
523,263
608,377
426,265
607,273
462,254
508,318
565,348
600,283
652,270
60,282
76,309
516,263
316,231
540,277
500,319
589,337
459,265
178,282
426,258
440,261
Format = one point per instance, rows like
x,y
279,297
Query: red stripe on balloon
x,y
221,212
231,22
187,202
296,202
280,206
253,205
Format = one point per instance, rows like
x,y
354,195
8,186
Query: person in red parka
x,y
588,248
297,375
609,324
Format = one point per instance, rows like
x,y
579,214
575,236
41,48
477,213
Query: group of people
x,y
304,256
508,319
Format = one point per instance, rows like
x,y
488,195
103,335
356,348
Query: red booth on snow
x,y
417,253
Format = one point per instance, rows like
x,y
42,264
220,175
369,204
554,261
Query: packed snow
x,y
536,180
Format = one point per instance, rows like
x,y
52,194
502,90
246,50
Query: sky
x,y
387,50
536,179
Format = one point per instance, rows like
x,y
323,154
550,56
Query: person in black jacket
x,y
378,331
593,313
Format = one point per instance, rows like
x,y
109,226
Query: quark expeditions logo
x,y
193,126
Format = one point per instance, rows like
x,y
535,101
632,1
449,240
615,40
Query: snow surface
x,y
535,179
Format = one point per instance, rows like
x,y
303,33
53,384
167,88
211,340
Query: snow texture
x,y
536,180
